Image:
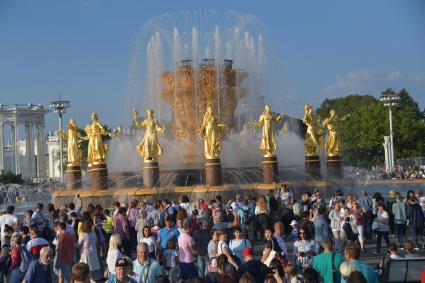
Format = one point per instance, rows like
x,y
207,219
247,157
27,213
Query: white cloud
x,y
393,76
419,79
352,81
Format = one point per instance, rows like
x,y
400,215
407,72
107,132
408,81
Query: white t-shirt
x,y
221,245
111,259
151,243
170,257
8,219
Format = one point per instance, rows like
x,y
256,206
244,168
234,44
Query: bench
x,y
403,270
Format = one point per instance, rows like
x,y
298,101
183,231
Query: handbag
x,y
271,256
375,225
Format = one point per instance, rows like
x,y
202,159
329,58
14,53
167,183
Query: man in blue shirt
x,y
169,232
352,254
40,269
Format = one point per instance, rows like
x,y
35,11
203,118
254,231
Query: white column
x,y
1,146
13,134
28,150
41,157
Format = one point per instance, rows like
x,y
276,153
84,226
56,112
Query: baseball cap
x,y
293,222
247,251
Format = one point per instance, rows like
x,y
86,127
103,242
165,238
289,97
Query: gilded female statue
x,y
268,138
97,150
313,133
73,136
210,131
333,144
149,147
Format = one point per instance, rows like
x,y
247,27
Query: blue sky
x,y
324,49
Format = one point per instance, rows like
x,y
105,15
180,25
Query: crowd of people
x,y
272,238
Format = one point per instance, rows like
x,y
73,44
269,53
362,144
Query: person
x,y
304,250
36,243
187,269
17,272
8,219
358,215
356,277
108,225
87,243
64,253
346,269
170,258
145,269
121,270
328,263
114,253
131,214
169,232
365,203
80,273
275,272
262,216
252,266
217,277
410,249
291,273
321,227
238,243
400,219
24,231
201,237
223,248
40,269
246,216
37,218
150,240
383,229
121,227
415,218
279,234
149,146
212,252
352,254
272,245
336,218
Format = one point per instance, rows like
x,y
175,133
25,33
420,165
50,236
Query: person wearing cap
x,y
169,232
121,269
295,230
252,266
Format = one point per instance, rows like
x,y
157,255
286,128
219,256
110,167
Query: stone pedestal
x,y
99,176
150,174
312,167
270,170
73,177
213,172
334,167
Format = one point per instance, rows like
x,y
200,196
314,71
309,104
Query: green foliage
x,y
10,178
362,133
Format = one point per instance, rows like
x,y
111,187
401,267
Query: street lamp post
x,y
59,106
390,99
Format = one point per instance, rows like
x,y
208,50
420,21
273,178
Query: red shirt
x,y
423,276
16,257
66,247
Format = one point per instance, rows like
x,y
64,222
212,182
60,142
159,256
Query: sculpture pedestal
x,y
73,177
312,166
270,170
334,167
150,174
213,172
99,176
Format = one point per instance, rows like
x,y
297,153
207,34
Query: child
x,y
108,225
5,261
24,232
170,259
291,273
295,230
8,232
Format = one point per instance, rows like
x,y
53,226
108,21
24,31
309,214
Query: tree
x,y
10,178
362,133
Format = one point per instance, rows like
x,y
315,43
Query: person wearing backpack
x,y
238,244
246,215
20,260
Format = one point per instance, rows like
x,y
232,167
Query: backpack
x,y
25,260
346,227
246,216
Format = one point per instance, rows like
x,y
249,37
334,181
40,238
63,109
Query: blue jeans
x,y
202,262
16,276
65,269
400,231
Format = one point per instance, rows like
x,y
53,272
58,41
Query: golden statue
x,y
268,138
97,150
149,147
73,136
210,131
333,146
313,134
